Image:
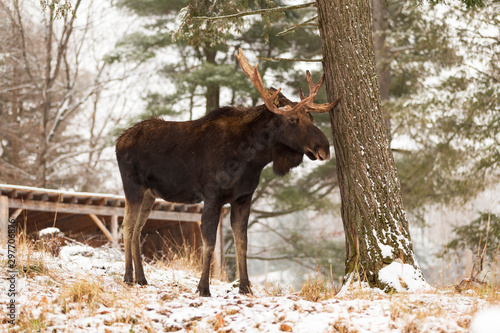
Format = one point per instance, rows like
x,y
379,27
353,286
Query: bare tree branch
x,y
296,26
255,12
290,59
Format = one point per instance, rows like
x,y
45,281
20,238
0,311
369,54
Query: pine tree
x,y
444,99
374,218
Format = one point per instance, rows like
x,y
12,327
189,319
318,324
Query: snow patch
x,y
486,321
403,277
48,231
385,250
352,288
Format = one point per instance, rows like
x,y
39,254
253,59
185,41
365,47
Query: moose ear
x,y
280,100
270,92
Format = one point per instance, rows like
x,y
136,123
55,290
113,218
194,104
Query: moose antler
x,y
313,91
254,76
306,104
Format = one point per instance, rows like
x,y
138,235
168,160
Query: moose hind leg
x,y
209,223
132,210
145,209
240,211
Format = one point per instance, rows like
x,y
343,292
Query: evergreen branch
x,y
403,151
290,59
284,32
254,12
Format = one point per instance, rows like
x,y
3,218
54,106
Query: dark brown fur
x,y
216,159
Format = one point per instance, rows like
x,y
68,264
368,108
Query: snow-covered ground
x,y
82,291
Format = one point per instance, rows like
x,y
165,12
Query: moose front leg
x,y
240,210
209,223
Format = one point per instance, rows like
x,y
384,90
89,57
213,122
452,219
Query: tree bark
x,y
372,210
382,56
213,90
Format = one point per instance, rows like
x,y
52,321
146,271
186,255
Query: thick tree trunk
x,y
382,56
372,209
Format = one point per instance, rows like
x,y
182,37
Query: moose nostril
x,y
323,155
317,152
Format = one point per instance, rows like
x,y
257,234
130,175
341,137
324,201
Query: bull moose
x,y
216,159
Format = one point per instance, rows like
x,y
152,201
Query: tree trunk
x,y
374,219
41,161
382,56
213,89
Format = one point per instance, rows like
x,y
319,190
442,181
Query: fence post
x,y
4,217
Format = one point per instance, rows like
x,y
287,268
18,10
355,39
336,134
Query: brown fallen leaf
x,y
286,328
220,320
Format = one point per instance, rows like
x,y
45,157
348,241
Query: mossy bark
x,y
374,219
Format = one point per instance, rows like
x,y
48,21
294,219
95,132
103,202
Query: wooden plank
x,y
16,213
46,206
4,217
99,201
101,226
29,193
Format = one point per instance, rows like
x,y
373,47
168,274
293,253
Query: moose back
x,y
216,159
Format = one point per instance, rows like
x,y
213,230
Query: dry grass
x,y
417,310
83,292
29,261
181,257
277,290
28,322
316,288
342,325
414,314
185,258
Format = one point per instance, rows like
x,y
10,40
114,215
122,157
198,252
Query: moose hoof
x,y
245,291
128,280
142,282
204,292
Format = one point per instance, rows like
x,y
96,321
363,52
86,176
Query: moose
x,y
216,159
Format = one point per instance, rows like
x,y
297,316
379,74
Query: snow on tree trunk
x,y
378,243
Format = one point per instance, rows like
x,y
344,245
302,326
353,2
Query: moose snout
x,y
319,153
323,154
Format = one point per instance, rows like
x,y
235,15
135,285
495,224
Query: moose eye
x,y
293,120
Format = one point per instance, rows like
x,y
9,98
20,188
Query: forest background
x,y
71,83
